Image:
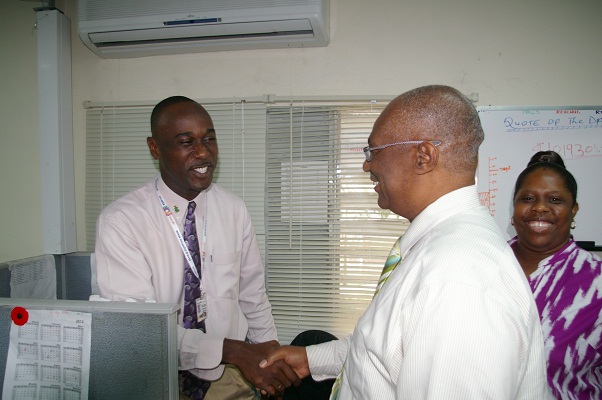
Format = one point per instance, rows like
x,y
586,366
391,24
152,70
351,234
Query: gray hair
x,y
443,113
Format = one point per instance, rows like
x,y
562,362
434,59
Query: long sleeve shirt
x,y
455,320
138,257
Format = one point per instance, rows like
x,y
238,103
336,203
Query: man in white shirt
x,y
454,318
141,255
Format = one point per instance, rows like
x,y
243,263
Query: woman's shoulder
x,y
578,257
575,267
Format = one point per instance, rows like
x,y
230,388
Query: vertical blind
x,y
327,239
299,170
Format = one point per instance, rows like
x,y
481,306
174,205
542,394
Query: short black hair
x,y
158,110
552,161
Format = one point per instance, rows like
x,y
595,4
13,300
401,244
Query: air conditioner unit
x,y
137,28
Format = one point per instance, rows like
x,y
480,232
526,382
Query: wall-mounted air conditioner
x,y
137,28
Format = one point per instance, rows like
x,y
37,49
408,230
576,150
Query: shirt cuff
x,y
200,353
326,359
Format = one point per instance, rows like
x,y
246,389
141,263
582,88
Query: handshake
x,y
268,366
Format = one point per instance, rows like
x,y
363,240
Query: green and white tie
x,y
392,262
336,387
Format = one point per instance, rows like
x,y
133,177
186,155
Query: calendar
x,y
49,357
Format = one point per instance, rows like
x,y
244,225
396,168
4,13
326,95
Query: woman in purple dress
x,y
566,280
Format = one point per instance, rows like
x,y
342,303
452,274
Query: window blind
x,y
322,235
327,239
118,159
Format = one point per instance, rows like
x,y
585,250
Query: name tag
x,y
201,308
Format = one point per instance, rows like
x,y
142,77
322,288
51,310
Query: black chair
x,y
309,388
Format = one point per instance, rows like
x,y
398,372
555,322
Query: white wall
x,y
537,52
20,229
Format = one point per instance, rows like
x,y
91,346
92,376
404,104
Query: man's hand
x,y
272,379
294,356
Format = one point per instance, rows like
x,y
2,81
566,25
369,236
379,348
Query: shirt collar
x,y
177,204
446,206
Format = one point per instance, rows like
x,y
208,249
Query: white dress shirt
x,y
138,257
455,320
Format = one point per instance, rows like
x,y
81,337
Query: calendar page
x,y
49,357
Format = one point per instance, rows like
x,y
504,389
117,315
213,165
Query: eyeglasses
x,y
368,150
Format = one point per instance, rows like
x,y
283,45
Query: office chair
x,y
309,388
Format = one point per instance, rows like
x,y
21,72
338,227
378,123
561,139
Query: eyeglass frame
x,y
368,150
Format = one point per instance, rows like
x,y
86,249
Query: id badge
x,y
201,308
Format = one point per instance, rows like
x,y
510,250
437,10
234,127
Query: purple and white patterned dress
x,y
567,287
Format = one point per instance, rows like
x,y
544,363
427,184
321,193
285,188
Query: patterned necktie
x,y
192,386
393,260
192,289
336,387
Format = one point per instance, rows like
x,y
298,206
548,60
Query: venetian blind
x,y
327,239
118,159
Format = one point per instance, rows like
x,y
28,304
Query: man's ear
x,y
152,146
427,157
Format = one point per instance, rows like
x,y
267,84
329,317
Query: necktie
x,y
192,289
393,260
192,386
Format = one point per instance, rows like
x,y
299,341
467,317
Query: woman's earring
x,y
573,225
512,221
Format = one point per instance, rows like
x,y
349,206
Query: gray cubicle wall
x,y
4,281
73,277
133,351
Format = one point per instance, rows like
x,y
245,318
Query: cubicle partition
x,y
73,276
133,346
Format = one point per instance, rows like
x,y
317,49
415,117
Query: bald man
x,y
453,316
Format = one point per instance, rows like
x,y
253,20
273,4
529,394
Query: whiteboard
x,y
514,134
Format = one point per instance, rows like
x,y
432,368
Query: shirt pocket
x,y
224,275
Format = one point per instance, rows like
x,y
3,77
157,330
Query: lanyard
x,y
176,230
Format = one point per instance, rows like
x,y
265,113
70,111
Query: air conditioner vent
x,y
289,23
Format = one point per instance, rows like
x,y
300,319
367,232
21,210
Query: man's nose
x,y
200,150
366,166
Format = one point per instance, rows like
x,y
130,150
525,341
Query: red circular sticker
x,y
19,316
